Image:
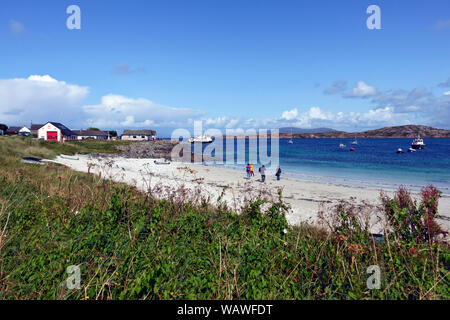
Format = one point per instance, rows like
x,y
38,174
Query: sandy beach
x,y
218,184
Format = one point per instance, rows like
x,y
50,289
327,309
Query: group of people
x,y
262,170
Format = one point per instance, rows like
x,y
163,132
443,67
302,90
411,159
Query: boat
x,y
291,141
355,142
33,160
201,139
161,161
352,149
63,156
400,150
411,150
418,143
342,146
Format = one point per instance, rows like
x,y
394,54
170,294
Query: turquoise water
x,y
374,163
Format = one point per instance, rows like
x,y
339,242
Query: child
x,y
252,170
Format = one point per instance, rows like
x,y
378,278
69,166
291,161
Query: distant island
x,y
407,131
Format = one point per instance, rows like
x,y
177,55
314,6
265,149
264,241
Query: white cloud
x,y
290,114
16,27
442,24
116,111
362,90
39,98
447,93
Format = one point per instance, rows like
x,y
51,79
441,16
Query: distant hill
x,y
300,130
408,131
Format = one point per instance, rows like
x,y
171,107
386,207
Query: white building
x,y
24,131
54,131
139,135
91,134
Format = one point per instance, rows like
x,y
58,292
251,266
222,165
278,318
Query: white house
x,y
24,131
91,134
139,135
54,131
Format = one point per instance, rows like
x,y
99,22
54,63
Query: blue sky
x,y
230,63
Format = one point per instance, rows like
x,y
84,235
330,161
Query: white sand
x,y
194,181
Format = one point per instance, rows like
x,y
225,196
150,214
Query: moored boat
x,y
418,143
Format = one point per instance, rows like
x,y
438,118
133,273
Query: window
x,y
142,137
134,137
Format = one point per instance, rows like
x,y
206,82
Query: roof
x,y
139,132
91,133
64,130
13,129
35,127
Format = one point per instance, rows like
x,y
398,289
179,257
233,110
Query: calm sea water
x,y
374,163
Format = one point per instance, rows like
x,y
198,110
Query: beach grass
x,y
130,245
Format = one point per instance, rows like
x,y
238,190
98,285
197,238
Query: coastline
x,y
225,185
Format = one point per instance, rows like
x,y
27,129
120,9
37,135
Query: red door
x,y
52,135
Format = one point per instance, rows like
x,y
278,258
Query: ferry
x,y
201,139
418,143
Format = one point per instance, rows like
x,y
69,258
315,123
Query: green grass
x,y
18,146
131,246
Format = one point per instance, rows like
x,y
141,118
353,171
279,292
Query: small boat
x,y
161,161
342,146
201,139
33,160
291,141
418,143
355,142
69,157
411,150
352,149
400,150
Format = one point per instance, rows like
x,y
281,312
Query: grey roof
x,y
139,132
13,129
35,127
64,130
92,133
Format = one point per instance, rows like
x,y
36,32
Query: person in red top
x,y
248,170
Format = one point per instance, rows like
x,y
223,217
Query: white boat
x,y
418,143
69,157
400,150
411,150
201,139
342,146
355,142
291,141
161,161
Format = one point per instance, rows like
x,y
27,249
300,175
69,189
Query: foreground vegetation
x,y
129,245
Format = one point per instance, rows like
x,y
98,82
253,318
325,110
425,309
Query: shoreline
x,y
189,181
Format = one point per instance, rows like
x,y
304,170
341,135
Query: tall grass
x,y
131,246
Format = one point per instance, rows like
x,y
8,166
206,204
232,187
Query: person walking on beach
x,y
252,170
262,170
247,169
278,174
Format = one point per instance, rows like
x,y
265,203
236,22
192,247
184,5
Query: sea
x,y
374,163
